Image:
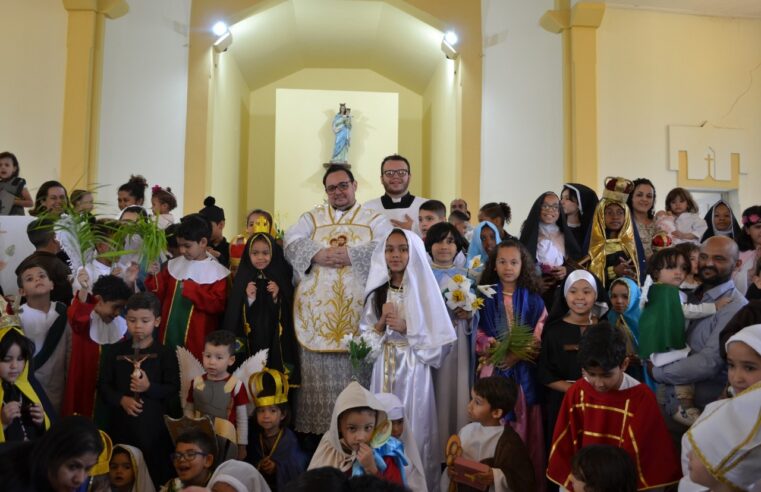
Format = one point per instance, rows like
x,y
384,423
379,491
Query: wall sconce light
x,y
224,37
448,44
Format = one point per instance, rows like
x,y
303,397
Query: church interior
x,y
535,94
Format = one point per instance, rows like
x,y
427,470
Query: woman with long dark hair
x,y
60,460
641,204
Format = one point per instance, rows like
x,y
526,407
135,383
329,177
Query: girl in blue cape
x,y
624,314
515,299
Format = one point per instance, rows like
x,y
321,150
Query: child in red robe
x,y
95,321
607,406
192,288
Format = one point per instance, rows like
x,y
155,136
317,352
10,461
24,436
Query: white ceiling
x,y
720,8
297,34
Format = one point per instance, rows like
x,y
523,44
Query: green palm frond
x,y
516,338
154,239
84,232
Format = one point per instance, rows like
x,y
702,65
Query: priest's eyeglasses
x,y
396,172
187,455
343,186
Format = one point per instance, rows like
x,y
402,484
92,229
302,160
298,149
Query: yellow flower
x,y
458,296
458,278
477,303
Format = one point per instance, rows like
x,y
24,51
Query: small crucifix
x,y
136,359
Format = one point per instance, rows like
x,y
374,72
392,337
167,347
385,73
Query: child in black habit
x,y
139,395
260,305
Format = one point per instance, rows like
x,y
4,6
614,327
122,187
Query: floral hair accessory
x,y
749,220
159,190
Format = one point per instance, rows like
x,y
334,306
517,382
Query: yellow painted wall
x,y
442,143
229,139
304,140
657,69
260,191
33,54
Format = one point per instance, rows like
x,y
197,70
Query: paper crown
x,y
256,386
617,189
261,225
104,458
661,240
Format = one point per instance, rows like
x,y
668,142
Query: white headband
x,y
750,335
577,275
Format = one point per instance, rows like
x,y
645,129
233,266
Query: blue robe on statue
x,y
342,129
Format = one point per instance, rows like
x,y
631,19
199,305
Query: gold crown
x,y
617,189
261,225
256,386
8,320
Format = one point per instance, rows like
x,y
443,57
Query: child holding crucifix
x,y
138,379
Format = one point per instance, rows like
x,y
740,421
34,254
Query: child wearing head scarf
x,y
239,475
722,449
614,247
558,367
405,311
359,440
127,470
721,221
260,305
414,471
485,238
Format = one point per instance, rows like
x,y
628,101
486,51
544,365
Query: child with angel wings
x,y
208,388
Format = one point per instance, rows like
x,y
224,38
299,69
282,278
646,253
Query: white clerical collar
x,y
206,271
104,333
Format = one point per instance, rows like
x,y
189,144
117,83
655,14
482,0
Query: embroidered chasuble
x,y
328,302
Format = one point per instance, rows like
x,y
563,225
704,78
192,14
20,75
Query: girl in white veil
x,y
404,308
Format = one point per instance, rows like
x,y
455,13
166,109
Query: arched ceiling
x,y
296,34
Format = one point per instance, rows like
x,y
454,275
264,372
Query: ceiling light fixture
x,y
448,43
224,37
219,28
